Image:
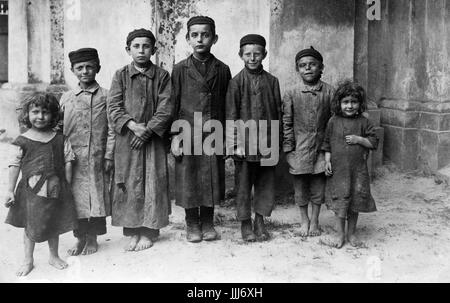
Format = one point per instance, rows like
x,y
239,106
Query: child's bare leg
x,y
314,228
91,245
78,247
27,265
304,221
54,259
351,237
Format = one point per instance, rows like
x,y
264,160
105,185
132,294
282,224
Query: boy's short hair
x,y
308,52
44,100
83,55
201,20
348,88
141,32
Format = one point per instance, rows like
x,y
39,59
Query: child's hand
x,y
176,149
136,143
352,139
139,130
328,170
108,165
9,199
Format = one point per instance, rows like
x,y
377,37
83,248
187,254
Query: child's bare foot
x,y
132,244
314,229
56,262
78,247
91,245
25,268
143,243
354,241
304,229
335,242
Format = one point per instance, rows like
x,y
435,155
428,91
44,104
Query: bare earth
x,y
406,240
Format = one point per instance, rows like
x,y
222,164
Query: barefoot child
x,y
140,111
86,127
42,203
306,111
200,85
253,95
349,137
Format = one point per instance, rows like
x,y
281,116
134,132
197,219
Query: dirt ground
x,y
406,240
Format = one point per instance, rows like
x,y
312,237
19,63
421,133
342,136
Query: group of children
x,y
111,158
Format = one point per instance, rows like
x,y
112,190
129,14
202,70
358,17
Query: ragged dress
x,y
43,205
348,189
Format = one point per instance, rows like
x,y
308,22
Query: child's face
x,y
253,55
310,69
201,39
86,71
40,118
141,49
349,106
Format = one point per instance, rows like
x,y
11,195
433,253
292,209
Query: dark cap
x,y
308,52
142,32
253,39
202,20
83,55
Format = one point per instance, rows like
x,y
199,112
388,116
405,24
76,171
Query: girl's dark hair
x,y
345,89
44,100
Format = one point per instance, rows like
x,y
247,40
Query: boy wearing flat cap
x,y
306,111
85,124
199,88
253,95
140,111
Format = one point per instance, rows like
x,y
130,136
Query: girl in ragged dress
x,y
348,138
42,203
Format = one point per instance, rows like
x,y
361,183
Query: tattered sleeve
x,y
163,115
232,106
370,133
116,104
288,124
111,138
326,147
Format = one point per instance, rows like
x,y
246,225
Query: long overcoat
x,y
141,191
92,139
200,179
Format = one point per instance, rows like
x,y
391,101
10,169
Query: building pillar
x,y
17,42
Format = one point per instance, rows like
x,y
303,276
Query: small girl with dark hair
x,y
42,203
348,138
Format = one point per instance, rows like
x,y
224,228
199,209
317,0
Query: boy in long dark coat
x,y
141,111
254,96
200,84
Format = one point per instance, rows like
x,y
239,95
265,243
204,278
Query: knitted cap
x,y
308,52
83,55
252,39
202,20
142,32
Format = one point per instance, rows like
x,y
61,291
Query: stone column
x,y
17,42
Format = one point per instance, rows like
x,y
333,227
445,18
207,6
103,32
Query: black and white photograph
x,y
224,141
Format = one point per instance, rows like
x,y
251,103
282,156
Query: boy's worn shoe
x,y
209,233
193,232
259,228
247,232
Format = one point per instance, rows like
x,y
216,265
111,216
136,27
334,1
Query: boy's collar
x,y
190,59
149,72
91,89
311,88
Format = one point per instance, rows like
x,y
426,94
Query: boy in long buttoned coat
x,y
199,87
140,111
